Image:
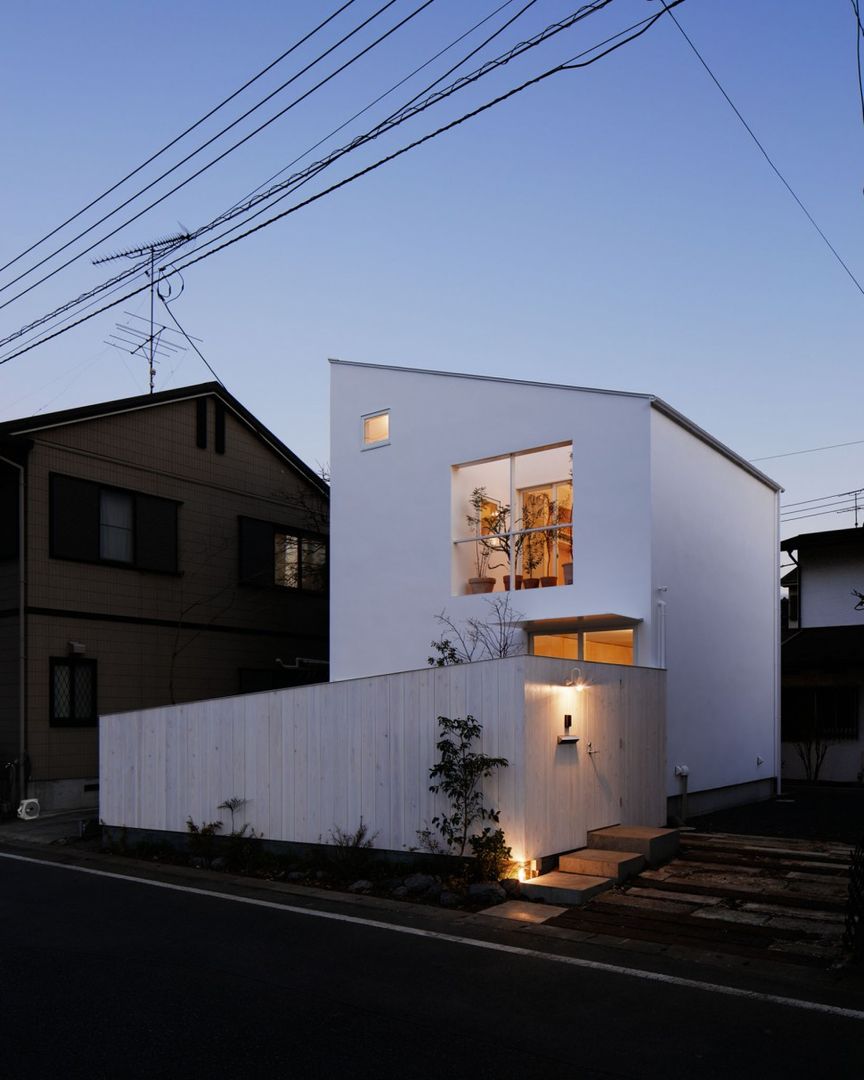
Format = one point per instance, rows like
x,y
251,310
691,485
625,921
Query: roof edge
x,y
30,425
652,399
488,378
700,433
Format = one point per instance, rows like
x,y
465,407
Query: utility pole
x,y
160,248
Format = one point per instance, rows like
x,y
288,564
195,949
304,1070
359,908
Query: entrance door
x,y
602,763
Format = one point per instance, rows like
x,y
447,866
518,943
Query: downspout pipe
x,y
22,633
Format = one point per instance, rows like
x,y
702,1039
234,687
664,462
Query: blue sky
x,y
613,226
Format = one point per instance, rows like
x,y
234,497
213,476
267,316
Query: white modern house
x,y
638,558
621,532
823,654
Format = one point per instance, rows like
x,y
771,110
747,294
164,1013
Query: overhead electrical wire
x,y
290,185
396,86
177,138
119,279
812,450
763,151
203,146
619,39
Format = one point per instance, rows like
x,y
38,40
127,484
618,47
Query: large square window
x,y
512,521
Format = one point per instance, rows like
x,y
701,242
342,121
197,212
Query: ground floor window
x,y
72,692
600,646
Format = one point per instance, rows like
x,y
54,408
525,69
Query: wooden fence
x,y
312,759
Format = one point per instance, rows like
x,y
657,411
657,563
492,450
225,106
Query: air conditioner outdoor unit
x,y
29,809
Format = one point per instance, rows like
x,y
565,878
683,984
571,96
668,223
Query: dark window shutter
x,y
74,518
201,423
8,513
256,552
155,534
219,433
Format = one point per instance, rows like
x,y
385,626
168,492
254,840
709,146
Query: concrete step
x,y
570,889
618,865
657,845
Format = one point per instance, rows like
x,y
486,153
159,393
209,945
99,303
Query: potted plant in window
x,y
565,543
550,538
533,547
482,521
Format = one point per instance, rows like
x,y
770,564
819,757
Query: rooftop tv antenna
x,y
158,248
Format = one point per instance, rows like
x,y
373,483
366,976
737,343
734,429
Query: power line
x,y
859,33
763,151
396,86
294,182
241,207
812,450
645,25
210,164
822,498
182,135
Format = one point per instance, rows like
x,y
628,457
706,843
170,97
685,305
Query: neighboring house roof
x,y
654,401
31,425
829,538
826,648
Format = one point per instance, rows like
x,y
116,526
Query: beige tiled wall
x,y
154,451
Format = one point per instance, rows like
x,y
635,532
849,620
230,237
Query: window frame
x,y
279,529
364,445
72,721
509,538
98,560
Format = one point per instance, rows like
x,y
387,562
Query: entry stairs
x,y
613,854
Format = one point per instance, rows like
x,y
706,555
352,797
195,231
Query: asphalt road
x,y
107,978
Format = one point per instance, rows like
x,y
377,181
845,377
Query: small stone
x,y
360,886
419,883
320,875
489,891
197,862
399,893
511,886
218,864
295,875
449,899
434,891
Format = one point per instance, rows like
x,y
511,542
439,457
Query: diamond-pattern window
x,y
73,692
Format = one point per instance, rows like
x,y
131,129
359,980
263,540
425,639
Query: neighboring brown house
x,y
174,549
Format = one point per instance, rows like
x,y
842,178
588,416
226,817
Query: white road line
x,y
455,939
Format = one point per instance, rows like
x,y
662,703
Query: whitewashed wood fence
x,y
316,758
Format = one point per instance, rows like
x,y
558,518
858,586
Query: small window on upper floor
x,y
376,429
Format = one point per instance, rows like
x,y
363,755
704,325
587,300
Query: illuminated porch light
x,y
576,680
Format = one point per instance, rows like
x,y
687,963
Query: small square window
x,y
376,429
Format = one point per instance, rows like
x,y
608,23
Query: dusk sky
x,y
613,226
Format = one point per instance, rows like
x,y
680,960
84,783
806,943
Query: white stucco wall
x,y
828,576
392,516
716,550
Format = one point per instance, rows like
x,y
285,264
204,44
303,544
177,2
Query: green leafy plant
x,y
457,776
494,859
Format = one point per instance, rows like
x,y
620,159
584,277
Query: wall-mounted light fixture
x,y
576,680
